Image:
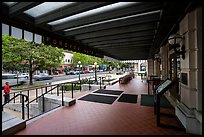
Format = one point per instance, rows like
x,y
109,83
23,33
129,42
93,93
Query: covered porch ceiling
x,y
121,30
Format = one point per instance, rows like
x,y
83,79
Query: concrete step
x,y
11,124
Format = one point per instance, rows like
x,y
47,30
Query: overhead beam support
x,y
119,30
133,9
120,36
126,46
69,10
136,39
117,23
20,7
125,43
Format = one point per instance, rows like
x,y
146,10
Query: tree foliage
x,y
37,56
89,60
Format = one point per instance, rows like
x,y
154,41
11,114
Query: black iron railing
x,y
40,92
23,102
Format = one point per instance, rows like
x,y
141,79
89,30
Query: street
x,y
55,78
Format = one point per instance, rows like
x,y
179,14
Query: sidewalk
x,y
76,79
77,93
90,118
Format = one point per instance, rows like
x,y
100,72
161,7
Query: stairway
x,y
11,124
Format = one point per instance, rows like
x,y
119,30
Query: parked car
x,y
13,82
8,76
75,72
67,72
56,72
71,72
91,71
85,71
22,75
42,76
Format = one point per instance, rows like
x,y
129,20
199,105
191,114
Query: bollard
x,y
72,90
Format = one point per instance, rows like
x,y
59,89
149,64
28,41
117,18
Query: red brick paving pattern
x,y
90,118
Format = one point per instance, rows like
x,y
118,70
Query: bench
x,y
126,79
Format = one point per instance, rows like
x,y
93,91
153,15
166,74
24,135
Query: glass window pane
x,y
16,32
5,29
45,8
28,36
38,38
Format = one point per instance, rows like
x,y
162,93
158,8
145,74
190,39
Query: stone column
x,y
156,68
150,67
189,111
164,61
191,28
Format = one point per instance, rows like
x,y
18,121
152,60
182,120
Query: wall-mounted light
x,y
157,57
174,43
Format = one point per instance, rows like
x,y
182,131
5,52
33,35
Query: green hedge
x,y
68,87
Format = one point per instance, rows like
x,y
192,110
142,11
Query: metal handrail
x,y
27,105
41,95
73,83
22,96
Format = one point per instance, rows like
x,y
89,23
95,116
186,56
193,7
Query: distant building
x,y
139,66
67,63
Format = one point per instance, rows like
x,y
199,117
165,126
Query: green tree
x,y
38,56
85,59
89,60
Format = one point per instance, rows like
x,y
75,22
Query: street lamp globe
x,y
175,39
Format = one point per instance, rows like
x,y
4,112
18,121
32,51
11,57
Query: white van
x,y
22,75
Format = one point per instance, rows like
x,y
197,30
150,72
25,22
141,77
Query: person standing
x,y
6,92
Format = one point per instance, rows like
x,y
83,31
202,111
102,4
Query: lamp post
x,y
110,68
95,65
118,67
79,66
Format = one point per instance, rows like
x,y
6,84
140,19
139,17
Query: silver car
x,y
42,76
